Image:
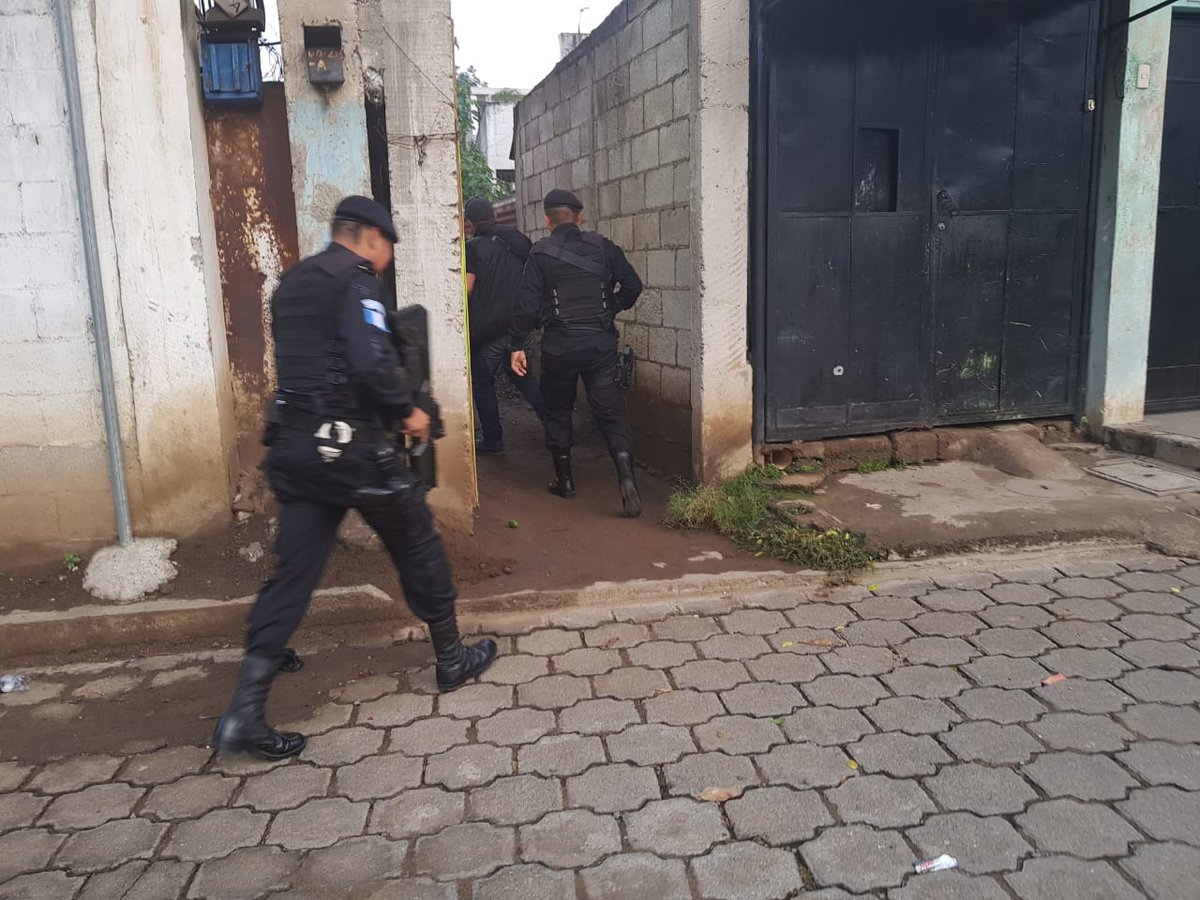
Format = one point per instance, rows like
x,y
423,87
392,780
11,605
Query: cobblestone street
x,y
768,746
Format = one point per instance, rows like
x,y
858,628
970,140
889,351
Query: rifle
x,y
410,334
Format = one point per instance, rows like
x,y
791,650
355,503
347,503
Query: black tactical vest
x,y
309,364
579,283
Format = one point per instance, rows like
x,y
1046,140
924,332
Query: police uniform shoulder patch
x,y
374,314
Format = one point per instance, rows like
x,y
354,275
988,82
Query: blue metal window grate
x,y
232,70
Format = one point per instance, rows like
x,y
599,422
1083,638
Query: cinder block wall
x,y
613,123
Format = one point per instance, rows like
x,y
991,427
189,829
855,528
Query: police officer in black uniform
x,y
574,285
341,395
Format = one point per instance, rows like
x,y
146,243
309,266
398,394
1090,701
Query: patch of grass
x,y
72,562
873,465
741,508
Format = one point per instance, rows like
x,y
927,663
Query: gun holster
x,y
395,479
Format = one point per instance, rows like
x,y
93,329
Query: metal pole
x,y
91,258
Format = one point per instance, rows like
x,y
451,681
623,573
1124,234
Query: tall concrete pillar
x,y
1126,219
722,381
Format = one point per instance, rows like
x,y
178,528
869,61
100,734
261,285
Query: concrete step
x,y
1173,438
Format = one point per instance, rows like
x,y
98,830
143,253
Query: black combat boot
x,y
563,484
243,729
631,500
458,663
290,661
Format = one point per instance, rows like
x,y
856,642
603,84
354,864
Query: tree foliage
x,y
478,179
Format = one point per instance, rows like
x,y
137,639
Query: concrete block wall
x,y
53,479
613,122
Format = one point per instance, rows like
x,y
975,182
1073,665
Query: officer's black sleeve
x,y
371,357
627,284
529,303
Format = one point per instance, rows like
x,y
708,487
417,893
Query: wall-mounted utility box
x,y
323,51
232,70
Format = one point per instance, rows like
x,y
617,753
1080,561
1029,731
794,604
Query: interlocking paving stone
x,y
757,699
275,790
1084,697
408,888
745,871
343,746
709,675
861,660
991,743
560,754
1003,671
113,883
1153,654
1168,872
733,646
777,815
74,774
1011,615
857,857
96,848
318,823
1092,588
28,850
1142,626
693,774
754,621
356,859
683,707
12,774
613,788
1075,731
1083,776
528,882
515,800
423,811
648,745
980,844
979,789
603,716
676,827
632,684
826,725
468,766
792,668
1021,594
478,700
819,615
515,669
620,634
1030,575
947,624
42,885
661,654
217,834
1063,878
1150,602
633,876
1190,574
1165,813
325,717
554,691
1085,609
395,709
1149,581
548,642
1158,686
1076,662
965,581
881,801
515,726
877,633
90,807
950,886
999,705
166,765
587,661
956,600
1086,830
379,776
464,851
880,607
1084,634
685,628
938,651
804,766
844,691
738,734
572,838
1157,762
1012,641
427,737
901,755
363,689
1166,723
248,872
911,587
912,715
926,681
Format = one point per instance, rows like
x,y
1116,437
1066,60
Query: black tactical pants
x,y
561,373
308,527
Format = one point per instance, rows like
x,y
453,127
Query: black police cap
x,y
366,211
479,210
558,197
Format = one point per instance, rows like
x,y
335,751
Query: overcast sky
x,y
514,43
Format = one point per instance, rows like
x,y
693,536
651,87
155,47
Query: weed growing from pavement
x,y
742,508
874,465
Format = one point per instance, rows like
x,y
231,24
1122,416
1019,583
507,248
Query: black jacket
x,y
496,256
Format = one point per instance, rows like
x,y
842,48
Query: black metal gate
x,y
1173,377
922,186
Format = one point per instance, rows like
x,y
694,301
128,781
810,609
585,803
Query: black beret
x,y
366,211
479,210
558,197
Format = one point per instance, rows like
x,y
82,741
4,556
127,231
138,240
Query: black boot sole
x,y
559,492
295,744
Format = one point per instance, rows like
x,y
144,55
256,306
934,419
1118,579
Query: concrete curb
x,y
163,621
1143,440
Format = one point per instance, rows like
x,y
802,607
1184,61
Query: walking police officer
x,y
341,395
574,285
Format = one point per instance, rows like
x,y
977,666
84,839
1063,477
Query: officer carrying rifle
x,y
342,396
